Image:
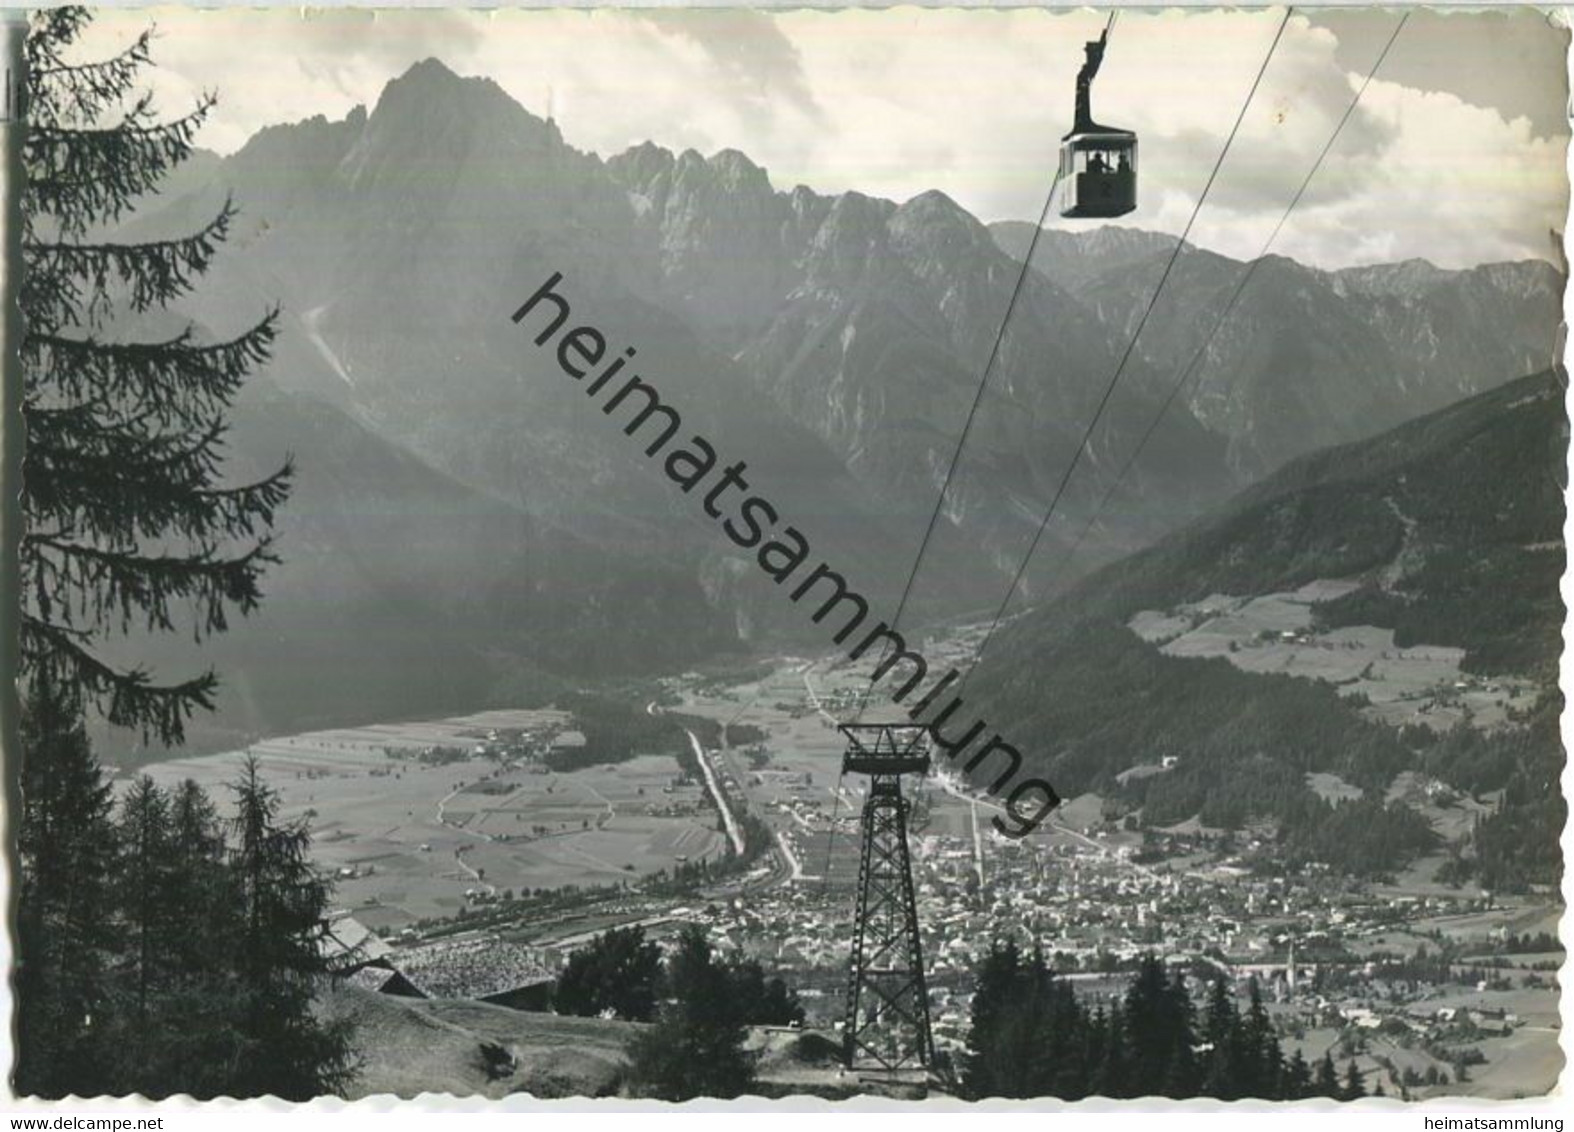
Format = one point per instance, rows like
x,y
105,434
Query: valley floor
x,y
414,841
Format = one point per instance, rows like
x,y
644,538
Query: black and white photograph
x,y
785,555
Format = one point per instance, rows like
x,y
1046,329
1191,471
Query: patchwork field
x,y
1274,633
408,840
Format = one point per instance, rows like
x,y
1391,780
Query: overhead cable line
x,y
967,428
956,457
972,412
1191,367
1125,358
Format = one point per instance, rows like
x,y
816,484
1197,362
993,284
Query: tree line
x,y
163,948
1031,1036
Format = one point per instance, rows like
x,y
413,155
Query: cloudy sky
x,y
1455,154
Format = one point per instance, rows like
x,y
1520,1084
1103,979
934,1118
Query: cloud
x,y
759,64
1508,60
278,65
1455,184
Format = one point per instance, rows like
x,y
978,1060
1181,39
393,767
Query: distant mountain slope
x,y
1310,358
1453,525
1453,522
402,592
838,339
836,342
872,322
401,240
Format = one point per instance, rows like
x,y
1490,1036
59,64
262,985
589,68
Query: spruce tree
x,y
696,1047
280,959
1222,1078
1065,1072
1019,1045
995,982
66,929
1354,1087
1262,1060
176,1023
202,892
1182,1076
201,1016
146,873
1326,1081
1112,1075
1154,1025
1297,1080
129,523
1094,1033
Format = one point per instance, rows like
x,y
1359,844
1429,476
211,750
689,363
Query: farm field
x,y
1274,633
407,840
1525,1063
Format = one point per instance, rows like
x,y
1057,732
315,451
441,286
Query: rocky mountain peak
x,y
736,171
933,223
1408,277
431,81
853,229
636,167
429,121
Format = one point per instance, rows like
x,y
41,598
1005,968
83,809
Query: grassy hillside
x,y
413,1046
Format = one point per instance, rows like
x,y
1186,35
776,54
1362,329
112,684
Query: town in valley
x,y
471,856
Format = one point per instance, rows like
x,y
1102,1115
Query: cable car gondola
x,y
1098,164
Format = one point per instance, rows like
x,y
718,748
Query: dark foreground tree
x,y
1326,1081
180,900
696,1047
67,935
762,1001
130,526
618,973
284,1051
145,876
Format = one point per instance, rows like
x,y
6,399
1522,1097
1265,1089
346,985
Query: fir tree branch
x,y
86,177
145,275
126,63
97,584
76,496
128,517
133,700
180,378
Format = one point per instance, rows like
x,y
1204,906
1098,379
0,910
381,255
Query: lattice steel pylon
x,y
887,1021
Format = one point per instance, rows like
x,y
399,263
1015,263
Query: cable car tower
x,y
887,1024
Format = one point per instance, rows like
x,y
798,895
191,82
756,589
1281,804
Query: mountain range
x,y
458,490
1309,358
